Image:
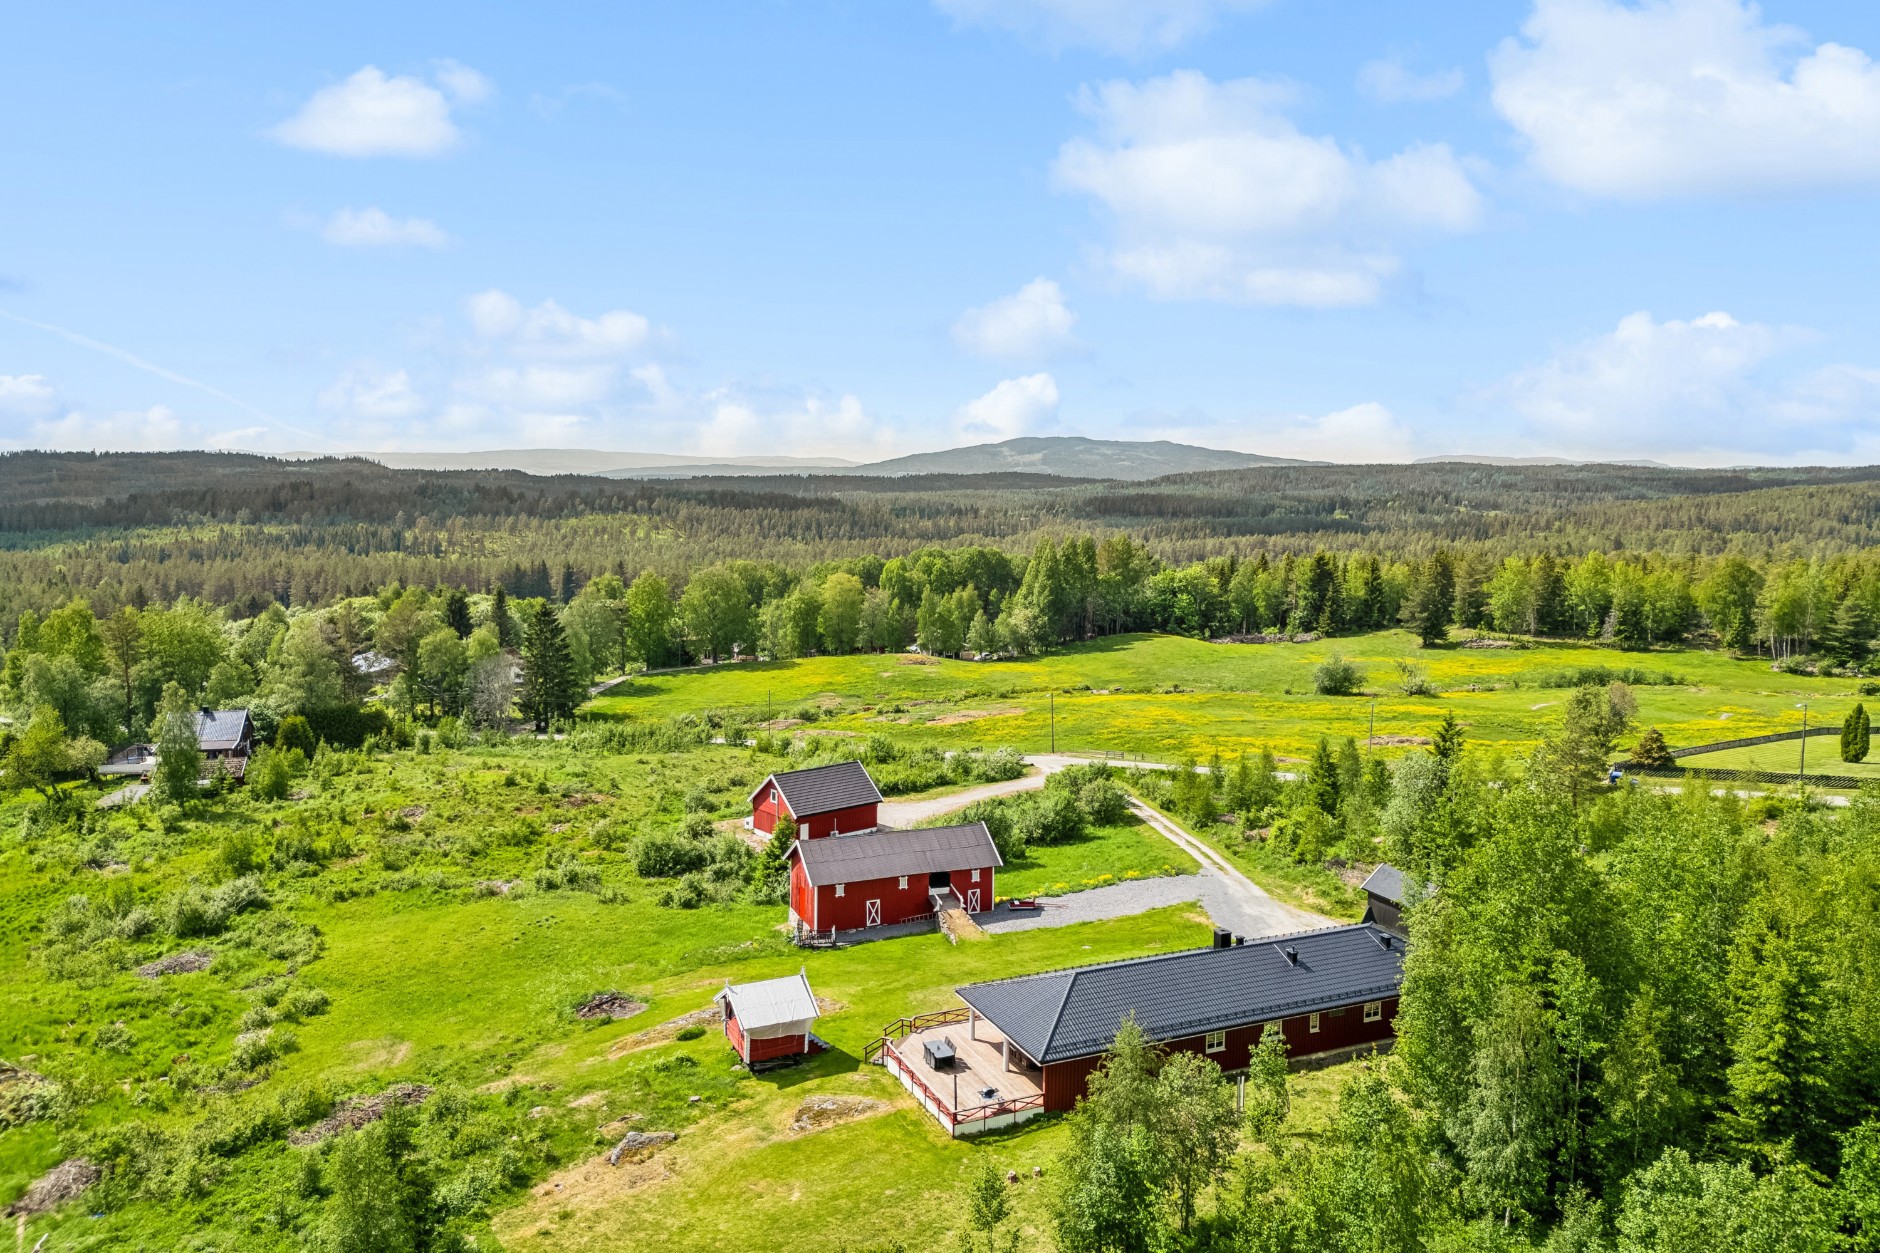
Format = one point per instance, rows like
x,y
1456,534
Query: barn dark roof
x,y
1075,1013
1386,883
890,854
823,789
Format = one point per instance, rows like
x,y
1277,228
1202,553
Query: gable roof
x,y
1075,1013
823,789
890,854
771,1002
222,729
1386,883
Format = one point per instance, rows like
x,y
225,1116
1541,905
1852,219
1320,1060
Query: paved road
x,y
903,814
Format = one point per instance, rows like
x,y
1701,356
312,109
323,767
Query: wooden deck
x,y
979,1067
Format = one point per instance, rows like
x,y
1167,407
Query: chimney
x,y
1292,955
1223,938
1385,940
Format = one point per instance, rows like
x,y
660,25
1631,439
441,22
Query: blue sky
x,y
1356,231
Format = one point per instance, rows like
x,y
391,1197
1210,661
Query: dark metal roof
x,y
823,789
1075,1013
1385,882
218,730
890,854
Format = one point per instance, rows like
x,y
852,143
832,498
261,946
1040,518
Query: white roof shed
x,y
772,1007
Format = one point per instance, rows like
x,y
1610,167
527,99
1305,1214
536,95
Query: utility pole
x,y
1053,699
1370,740
1803,769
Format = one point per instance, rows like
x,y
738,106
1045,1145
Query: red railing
x,y
901,1028
973,1113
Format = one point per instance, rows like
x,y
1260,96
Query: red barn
x,y
1023,1046
824,801
769,1022
890,876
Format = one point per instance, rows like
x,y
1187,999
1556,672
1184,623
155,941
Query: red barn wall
x,y
849,911
764,813
1066,1081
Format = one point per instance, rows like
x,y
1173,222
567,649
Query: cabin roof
x,y
824,789
1075,1013
771,1002
891,854
218,730
1385,883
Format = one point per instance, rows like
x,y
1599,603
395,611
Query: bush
x,y
1337,677
254,1049
564,871
294,733
188,915
688,893
1103,802
661,855
237,896
691,1033
303,1002
1652,750
1051,817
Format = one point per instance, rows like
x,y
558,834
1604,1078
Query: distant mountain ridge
x,y
1068,456
1477,459
1074,456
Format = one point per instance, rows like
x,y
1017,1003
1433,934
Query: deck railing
x,y
972,1113
901,1028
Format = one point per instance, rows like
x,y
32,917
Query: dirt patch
x,y
357,1111
185,963
411,813
1398,741
709,1016
826,1006
581,800
608,1005
496,887
919,659
826,1111
638,1145
62,1183
1491,644
506,1082
781,724
591,1099
972,715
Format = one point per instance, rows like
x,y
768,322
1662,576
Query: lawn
x,y
1785,757
1105,855
1161,696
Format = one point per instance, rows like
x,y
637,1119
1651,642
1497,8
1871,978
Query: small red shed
x,y
825,800
891,876
769,1022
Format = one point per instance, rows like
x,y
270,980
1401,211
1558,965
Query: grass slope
x,y
1785,756
1159,696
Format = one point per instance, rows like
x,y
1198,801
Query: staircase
x,y
955,923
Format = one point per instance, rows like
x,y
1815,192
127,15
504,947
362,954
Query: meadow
x,y
1823,757
1162,696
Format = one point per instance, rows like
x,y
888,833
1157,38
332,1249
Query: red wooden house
x,y
769,1022
1022,1046
891,876
824,801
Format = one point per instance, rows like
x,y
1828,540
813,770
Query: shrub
x,y
660,855
691,1033
254,1049
237,896
1051,817
689,892
235,855
294,733
1652,750
1337,677
1414,680
565,871
1103,802
303,1002
188,914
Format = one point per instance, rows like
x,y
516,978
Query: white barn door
x,y
972,900
872,914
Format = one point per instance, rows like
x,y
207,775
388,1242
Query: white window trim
x,y
975,876
1216,1042
1312,1023
1374,1011
842,889
903,883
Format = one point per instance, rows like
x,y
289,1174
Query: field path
x,y
1242,906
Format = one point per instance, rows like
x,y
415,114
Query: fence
x,y
1750,741
1846,781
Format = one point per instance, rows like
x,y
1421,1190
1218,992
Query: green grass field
x,y
1160,696
1786,757
1111,854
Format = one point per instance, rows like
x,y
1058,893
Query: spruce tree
x,y
550,689
1854,734
500,615
1322,777
457,612
1432,600
1652,750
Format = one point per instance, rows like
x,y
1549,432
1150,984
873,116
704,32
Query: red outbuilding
x,y
769,1022
889,877
823,801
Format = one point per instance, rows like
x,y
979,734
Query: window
x,y
1373,1011
841,888
1312,1023
902,884
1217,1042
975,876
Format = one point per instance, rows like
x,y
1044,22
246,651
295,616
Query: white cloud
x,y
1710,389
812,426
1122,26
139,430
1032,322
373,114
1363,433
1390,81
373,394
1217,195
1685,96
375,228
26,396
1020,406
550,330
